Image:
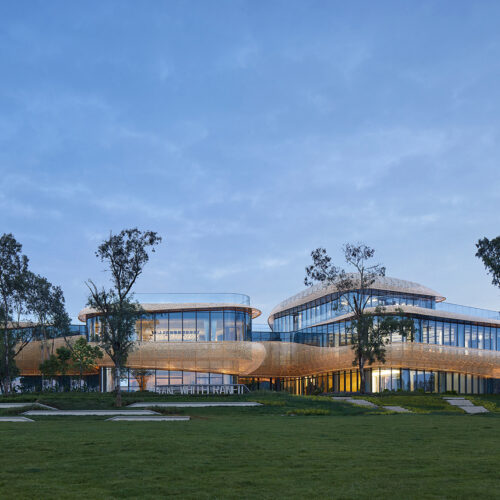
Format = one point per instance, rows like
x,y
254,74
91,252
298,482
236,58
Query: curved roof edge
x,y
88,312
381,283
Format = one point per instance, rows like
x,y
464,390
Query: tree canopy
x,y
489,252
369,331
125,255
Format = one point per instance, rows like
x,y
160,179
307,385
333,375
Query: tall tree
x,y
125,255
369,330
29,307
45,304
13,286
489,252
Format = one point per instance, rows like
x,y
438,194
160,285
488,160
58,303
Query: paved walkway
x,y
15,419
192,405
23,405
87,413
465,405
152,418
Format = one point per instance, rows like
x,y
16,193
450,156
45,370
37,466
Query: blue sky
x,y
249,133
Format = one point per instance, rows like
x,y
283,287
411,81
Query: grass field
x,y
351,452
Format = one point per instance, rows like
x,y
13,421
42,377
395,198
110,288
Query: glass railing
x,y
261,327
188,298
469,311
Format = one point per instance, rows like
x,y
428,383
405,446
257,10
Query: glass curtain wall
x,y
151,380
387,379
187,326
329,307
427,331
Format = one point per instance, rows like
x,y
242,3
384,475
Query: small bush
x,y
271,403
308,411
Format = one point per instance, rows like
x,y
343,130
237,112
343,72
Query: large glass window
x,y
189,378
418,330
468,336
474,337
217,326
148,328
189,326
161,326
432,332
487,337
453,333
175,378
461,335
480,337
230,325
240,325
162,377
175,327
425,331
248,327
405,380
439,332
203,326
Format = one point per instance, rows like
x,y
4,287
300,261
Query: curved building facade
x,y
455,348
202,341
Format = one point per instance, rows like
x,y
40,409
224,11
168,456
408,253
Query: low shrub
x,y
308,411
271,403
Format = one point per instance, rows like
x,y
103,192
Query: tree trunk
x,y
362,375
118,387
7,364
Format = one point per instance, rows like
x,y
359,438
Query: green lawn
x,y
352,452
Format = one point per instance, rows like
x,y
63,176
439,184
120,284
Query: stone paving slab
x,y
87,413
360,402
474,409
152,418
23,405
15,419
193,405
397,409
460,402
466,405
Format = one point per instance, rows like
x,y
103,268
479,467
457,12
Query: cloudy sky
x,y
249,133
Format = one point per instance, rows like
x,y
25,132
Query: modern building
x,y
208,343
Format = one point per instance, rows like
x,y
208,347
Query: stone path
x,y
15,419
192,405
369,404
360,402
152,418
23,405
397,409
466,405
87,413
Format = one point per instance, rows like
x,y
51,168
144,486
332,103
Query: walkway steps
x,y
194,405
88,413
15,419
152,418
466,405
